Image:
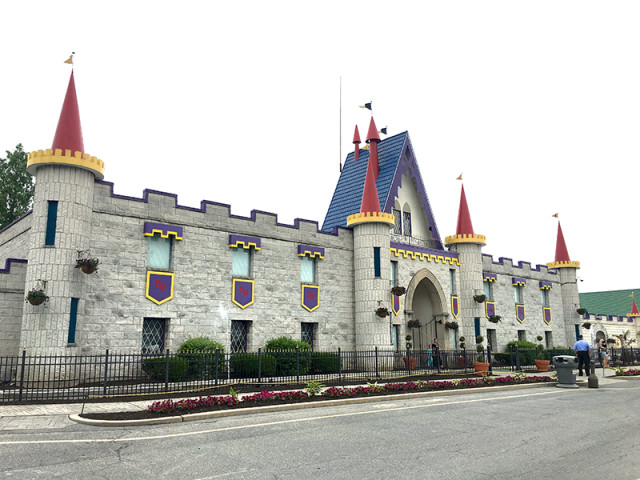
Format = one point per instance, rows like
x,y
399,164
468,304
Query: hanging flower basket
x,y
414,324
36,297
398,291
581,311
87,265
382,312
479,298
451,325
494,318
586,325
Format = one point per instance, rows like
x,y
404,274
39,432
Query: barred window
x,y
153,335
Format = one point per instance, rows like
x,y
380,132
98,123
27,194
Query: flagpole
x,y
340,125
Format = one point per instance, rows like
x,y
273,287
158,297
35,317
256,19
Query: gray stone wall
x,y
15,239
12,294
115,304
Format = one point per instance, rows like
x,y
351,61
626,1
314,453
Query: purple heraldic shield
x,y
520,313
159,287
242,292
490,309
455,306
396,305
310,297
546,315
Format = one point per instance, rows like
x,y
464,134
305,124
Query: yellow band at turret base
x,y
78,159
563,265
370,217
465,238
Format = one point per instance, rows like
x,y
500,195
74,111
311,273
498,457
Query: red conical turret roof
x,y
370,202
562,254
356,141
464,226
634,310
373,139
69,132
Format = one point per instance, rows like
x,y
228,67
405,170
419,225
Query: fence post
x,y
24,359
377,370
409,359
106,371
339,363
217,364
297,363
166,372
518,368
464,358
489,358
437,359
259,364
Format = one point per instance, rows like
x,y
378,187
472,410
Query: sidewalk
x,y
46,416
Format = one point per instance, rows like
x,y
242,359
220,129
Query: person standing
x,y
583,350
604,354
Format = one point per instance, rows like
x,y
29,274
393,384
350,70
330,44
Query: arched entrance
x,y
426,302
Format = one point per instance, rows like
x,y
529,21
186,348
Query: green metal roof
x,y
615,302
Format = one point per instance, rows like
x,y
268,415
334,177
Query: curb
x,y
191,417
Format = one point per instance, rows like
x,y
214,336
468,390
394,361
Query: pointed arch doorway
x,y
427,302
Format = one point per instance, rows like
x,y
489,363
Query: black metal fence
x,y
51,378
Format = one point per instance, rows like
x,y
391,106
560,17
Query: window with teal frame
x,y
52,220
307,269
73,318
376,262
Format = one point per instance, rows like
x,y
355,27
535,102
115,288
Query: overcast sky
x,y
536,103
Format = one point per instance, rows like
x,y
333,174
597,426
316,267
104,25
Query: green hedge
x,y
155,368
245,365
200,352
325,363
283,349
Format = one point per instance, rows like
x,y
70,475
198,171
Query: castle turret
x,y
469,247
60,232
567,271
371,259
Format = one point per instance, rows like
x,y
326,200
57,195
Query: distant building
x,y
169,272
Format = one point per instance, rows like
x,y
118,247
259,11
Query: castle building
x,y
169,272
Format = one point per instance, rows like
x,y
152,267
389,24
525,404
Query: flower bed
x,y
627,373
180,407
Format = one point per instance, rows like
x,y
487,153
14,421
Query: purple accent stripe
x,y
8,262
489,277
203,208
165,230
518,280
545,285
244,242
520,264
311,251
423,250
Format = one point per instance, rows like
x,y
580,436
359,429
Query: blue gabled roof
x,y
347,196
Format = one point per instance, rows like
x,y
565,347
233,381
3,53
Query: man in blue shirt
x,y
583,349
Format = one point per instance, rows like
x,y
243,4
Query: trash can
x,y
566,366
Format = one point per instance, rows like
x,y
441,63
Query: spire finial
x,y
356,141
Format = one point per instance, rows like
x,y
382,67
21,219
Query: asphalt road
x,y
542,433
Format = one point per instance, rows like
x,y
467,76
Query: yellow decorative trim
x,y
370,217
465,238
563,265
162,234
311,254
164,274
519,284
49,157
633,314
426,257
246,246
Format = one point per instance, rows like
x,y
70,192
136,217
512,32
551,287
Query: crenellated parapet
x,y
465,238
73,159
564,264
370,217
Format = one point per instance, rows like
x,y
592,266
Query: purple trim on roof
x,y
244,241
520,264
491,277
424,250
165,230
9,261
410,163
311,251
335,231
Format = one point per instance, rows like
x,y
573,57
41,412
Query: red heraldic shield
x,y
159,287
490,309
455,306
396,305
546,315
520,313
310,297
242,292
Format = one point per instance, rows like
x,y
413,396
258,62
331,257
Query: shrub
x,y
325,363
155,368
520,344
283,349
245,365
201,355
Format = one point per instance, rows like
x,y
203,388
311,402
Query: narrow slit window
x,y
376,262
52,220
73,318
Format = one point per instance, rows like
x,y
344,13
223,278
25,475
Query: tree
x,y
625,340
16,186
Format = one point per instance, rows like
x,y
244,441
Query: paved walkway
x,y
52,416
